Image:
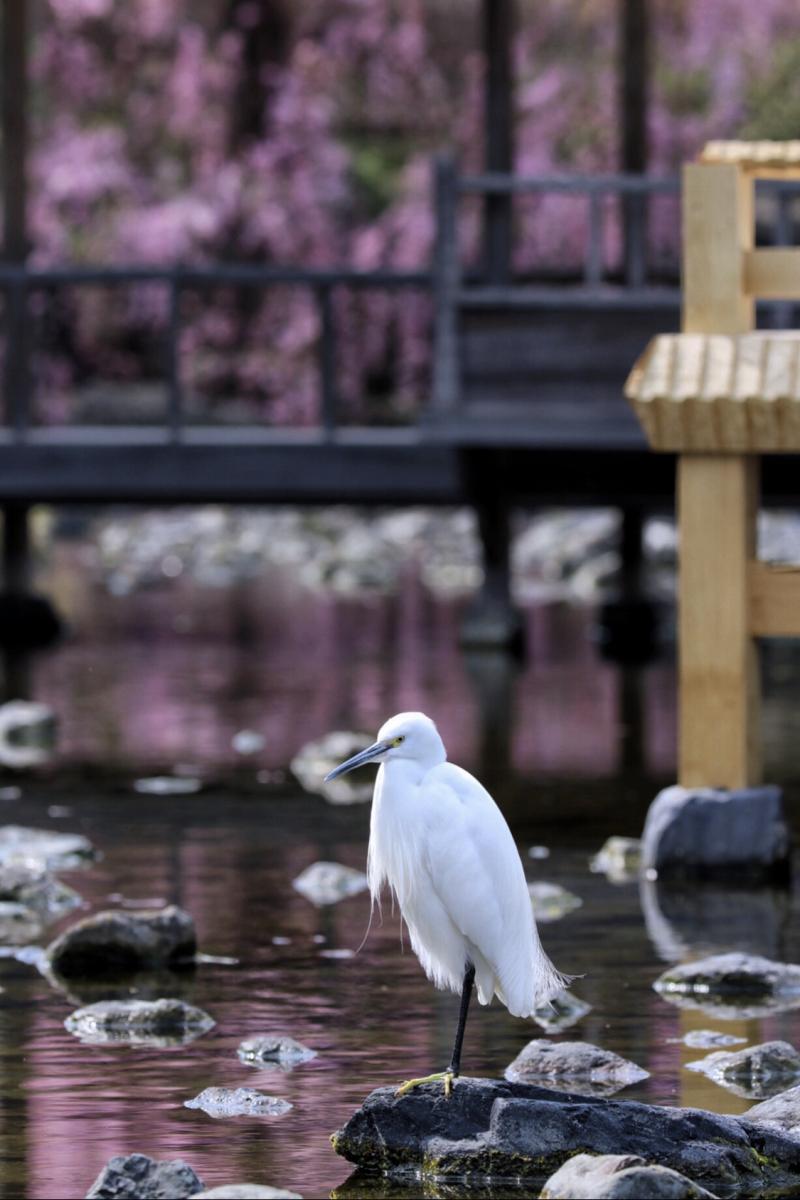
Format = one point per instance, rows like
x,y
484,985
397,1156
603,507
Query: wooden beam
x,y
498,30
717,230
774,600
14,120
719,694
772,273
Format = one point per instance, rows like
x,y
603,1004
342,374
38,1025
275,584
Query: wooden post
x,y
717,507
498,29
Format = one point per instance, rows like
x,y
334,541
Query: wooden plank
x,y
719,724
774,592
772,273
717,230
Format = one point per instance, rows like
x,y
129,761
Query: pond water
x,y
572,747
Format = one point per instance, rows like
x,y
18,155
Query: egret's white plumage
x,y
440,842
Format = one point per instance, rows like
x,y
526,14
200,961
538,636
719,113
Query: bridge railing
x,y
18,283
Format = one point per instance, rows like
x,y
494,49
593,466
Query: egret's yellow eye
x,y
396,741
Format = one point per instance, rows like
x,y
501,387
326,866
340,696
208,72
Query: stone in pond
x,y
551,902
562,1012
704,831
732,985
756,1072
27,881
704,1039
780,1112
618,859
27,733
267,1050
139,1022
58,851
115,942
619,1177
248,741
137,1177
19,924
246,1191
167,785
580,1066
311,764
493,1128
326,883
238,1102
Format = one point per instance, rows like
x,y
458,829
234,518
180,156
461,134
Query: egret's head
x,y
408,735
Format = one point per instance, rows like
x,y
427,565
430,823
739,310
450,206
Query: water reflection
x,y
709,918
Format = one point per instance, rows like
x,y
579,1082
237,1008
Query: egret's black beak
x,y
358,760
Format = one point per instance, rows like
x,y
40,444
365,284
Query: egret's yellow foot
x,y
445,1077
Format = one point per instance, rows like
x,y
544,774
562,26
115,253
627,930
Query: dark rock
x,y
272,1051
707,831
619,1177
116,942
756,1072
732,985
238,1102
587,1069
137,1177
780,1112
503,1130
139,1022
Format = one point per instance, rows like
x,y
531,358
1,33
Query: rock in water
x,y
19,924
551,902
137,1177
586,1069
780,1112
704,1039
618,859
497,1129
326,883
756,1072
238,1102
703,831
57,851
27,733
619,1177
271,1051
116,943
246,1191
27,881
139,1022
311,764
562,1012
732,985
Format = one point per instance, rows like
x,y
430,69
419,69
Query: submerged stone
x,y
27,733
139,1022
28,882
619,1177
703,1039
311,764
19,924
238,1102
584,1068
779,1112
116,942
326,883
267,1050
756,1072
562,1012
496,1129
551,902
137,1177
57,851
705,831
732,985
618,859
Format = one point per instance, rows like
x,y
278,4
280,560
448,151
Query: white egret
x,y
440,842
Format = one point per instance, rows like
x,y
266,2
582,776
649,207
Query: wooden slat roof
x,y
715,392
765,157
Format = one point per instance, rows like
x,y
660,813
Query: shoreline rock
x,y
619,1177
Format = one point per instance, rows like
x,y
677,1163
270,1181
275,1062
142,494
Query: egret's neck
x,y
409,772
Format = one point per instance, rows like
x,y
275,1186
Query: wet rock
x,y
246,1191
238,1102
115,943
139,1022
311,764
137,1177
19,924
584,1068
495,1128
731,975
28,882
780,1112
326,883
618,859
562,1012
704,1039
701,917
756,1072
27,733
619,1177
247,742
267,1050
167,785
57,851
707,831
551,902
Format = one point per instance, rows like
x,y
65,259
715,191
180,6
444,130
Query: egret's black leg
x,y
466,994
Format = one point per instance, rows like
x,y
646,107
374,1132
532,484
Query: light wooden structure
x,y
720,394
